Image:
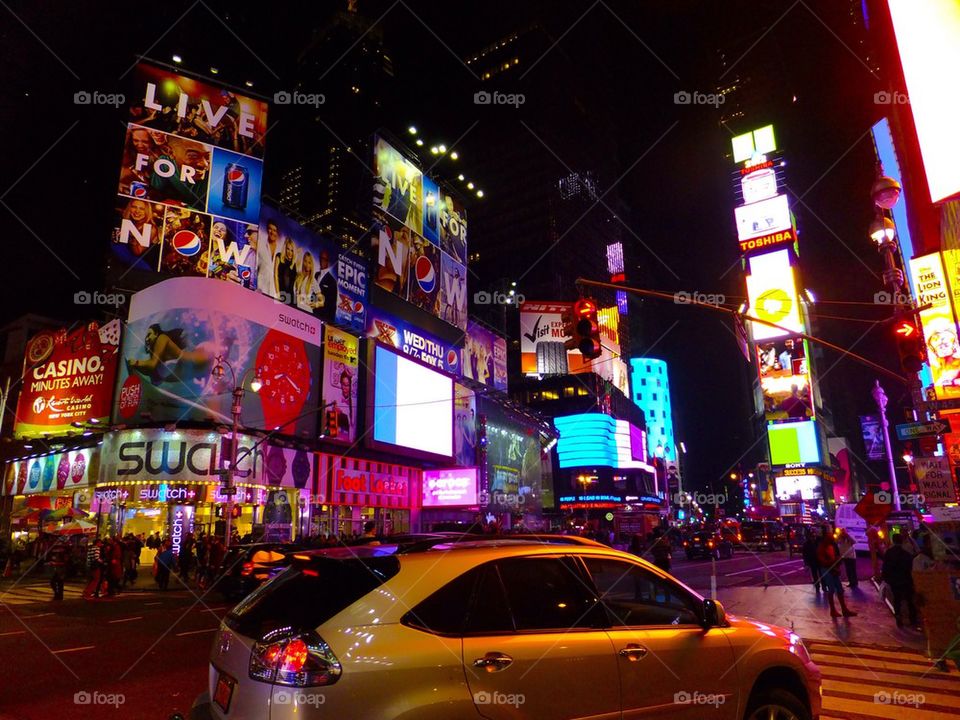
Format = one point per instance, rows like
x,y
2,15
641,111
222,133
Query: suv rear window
x,y
305,597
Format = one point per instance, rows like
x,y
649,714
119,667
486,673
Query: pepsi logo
x,y
186,242
426,275
139,191
235,175
357,306
452,357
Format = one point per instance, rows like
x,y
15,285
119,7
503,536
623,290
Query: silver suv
x,y
496,629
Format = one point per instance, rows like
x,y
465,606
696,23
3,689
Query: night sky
x,y
61,160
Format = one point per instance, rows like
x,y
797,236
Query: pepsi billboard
x,y
419,238
188,195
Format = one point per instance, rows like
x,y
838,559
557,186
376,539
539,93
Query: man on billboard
x,y
326,283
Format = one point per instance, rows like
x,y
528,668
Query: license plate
x,y
224,691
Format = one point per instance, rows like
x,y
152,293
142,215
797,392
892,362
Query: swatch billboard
x,y
188,195
177,329
68,377
419,238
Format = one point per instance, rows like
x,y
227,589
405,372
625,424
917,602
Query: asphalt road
x,y
748,567
140,655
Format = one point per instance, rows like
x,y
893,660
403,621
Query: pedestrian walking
x,y
57,557
810,556
877,548
848,554
660,550
114,560
898,574
828,557
185,558
95,565
164,564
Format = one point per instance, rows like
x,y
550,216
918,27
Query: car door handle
x,y
493,662
633,652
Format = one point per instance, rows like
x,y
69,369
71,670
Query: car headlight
x,y
798,648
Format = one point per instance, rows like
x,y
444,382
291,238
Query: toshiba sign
x,y
784,237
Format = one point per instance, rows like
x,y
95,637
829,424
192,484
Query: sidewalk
x,y
808,614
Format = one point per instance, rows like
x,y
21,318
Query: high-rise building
x,y
650,385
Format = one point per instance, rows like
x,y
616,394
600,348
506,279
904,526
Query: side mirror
x,y
713,614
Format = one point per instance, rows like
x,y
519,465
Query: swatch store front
x,y
152,480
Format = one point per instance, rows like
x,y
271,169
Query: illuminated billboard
x,y
57,471
598,440
772,296
759,184
484,357
785,379
455,487
928,40
340,370
300,268
175,331
410,406
419,238
931,288
188,195
413,341
67,377
762,218
542,349
794,443
752,144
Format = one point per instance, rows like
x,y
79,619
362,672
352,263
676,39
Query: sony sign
x,y
181,456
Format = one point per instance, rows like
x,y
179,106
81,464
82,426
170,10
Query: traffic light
x,y
332,422
583,327
910,344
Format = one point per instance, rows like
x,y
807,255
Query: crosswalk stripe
x,y
854,675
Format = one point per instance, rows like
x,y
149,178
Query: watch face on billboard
x,y
762,218
772,296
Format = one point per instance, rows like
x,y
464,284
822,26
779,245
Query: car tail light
x,y
297,660
739,537
247,569
685,543
709,543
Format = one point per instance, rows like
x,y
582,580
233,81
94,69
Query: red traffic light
x,y
587,328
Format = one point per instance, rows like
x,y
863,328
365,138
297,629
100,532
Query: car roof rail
x,y
474,541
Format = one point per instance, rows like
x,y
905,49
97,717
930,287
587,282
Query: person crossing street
x,y
57,557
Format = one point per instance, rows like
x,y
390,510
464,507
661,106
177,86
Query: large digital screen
x,y
772,295
68,376
178,328
793,443
412,405
455,487
785,379
762,218
188,196
931,288
419,238
596,439
928,39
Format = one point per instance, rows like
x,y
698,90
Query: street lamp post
x,y
237,408
880,397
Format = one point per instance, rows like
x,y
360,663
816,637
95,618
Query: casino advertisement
x,y
196,150
67,377
340,369
785,379
178,328
419,238
413,341
484,357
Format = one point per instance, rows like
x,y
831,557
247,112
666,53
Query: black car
x,y
246,567
707,544
764,535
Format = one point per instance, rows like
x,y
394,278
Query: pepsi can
x,y
235,184
139,189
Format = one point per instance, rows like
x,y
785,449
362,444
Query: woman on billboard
x,y
285,273
170,360
305,288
